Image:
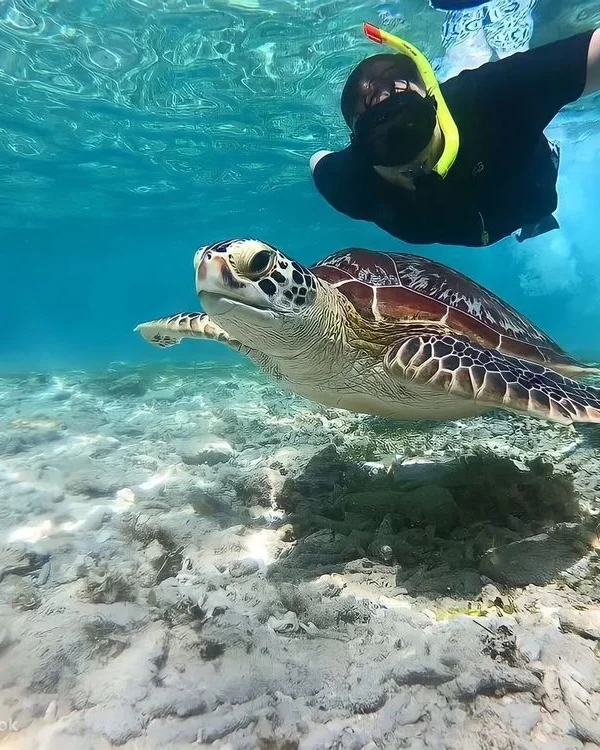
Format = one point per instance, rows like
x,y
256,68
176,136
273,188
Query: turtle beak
x,y
201,265
218,286
199,254
213,274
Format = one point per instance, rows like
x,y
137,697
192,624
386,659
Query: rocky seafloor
x,y
194,556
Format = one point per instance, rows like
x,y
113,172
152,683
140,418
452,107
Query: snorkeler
x,y
499,172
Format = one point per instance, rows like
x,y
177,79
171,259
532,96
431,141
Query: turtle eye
x,y
256,265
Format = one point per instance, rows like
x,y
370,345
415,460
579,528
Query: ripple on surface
x,y
90,82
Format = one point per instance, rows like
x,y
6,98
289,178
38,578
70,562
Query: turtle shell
x,y
394,286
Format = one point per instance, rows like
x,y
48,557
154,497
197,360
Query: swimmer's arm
x,y
349,191
341,181
525,91
592,83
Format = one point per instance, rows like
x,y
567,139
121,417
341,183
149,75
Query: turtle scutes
x,y
389,334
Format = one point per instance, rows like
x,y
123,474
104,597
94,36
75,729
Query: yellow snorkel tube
x,y
445,119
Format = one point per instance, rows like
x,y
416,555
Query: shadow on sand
x,y
445,528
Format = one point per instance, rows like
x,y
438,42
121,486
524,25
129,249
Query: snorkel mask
x,y
384,110
376,138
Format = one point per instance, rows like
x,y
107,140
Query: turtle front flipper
x,y
169,331
463,369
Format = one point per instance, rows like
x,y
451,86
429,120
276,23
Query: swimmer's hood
x,y
444,118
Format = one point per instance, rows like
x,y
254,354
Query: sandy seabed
x,y
192,556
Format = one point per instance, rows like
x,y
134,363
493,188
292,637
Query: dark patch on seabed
x,y
192,555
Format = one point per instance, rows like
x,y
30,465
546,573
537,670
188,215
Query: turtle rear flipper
x,y
169,331
461,368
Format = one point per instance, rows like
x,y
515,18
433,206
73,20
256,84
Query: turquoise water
x,y
133,131
191,555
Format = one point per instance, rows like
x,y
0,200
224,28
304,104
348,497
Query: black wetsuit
x,y
504,177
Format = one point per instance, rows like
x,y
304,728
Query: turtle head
x,y
259,295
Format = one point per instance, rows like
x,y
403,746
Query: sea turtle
x,y
389,334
